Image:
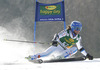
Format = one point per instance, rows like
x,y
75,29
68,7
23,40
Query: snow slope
x,y
12,57
79,65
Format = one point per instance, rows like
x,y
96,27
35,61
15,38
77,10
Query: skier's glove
x,y
54,43
89,57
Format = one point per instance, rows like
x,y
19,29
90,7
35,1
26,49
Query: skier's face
x,y
76,32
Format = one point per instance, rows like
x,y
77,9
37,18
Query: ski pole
x,y
27,41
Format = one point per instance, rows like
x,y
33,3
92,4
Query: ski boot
x,y
33,57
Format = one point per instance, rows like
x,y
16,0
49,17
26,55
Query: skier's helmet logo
x,y
76,25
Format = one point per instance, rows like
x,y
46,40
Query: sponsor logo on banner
x,y
50,10
52,7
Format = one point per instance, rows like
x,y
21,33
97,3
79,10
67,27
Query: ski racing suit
x,y
65,46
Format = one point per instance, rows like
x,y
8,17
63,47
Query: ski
x,y
57,60
35,60
65,60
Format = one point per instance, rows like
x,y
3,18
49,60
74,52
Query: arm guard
x,y
56,36
54,40
80,47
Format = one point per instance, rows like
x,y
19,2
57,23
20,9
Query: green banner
x,y
50,10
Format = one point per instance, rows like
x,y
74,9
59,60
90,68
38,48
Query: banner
x,y
50,12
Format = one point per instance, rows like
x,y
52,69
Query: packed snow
x,y
79,65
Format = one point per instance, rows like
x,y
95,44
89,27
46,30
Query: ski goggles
x,y
77,28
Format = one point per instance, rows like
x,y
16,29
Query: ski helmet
x,y
76,25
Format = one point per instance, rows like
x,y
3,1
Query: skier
x,y
63,43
